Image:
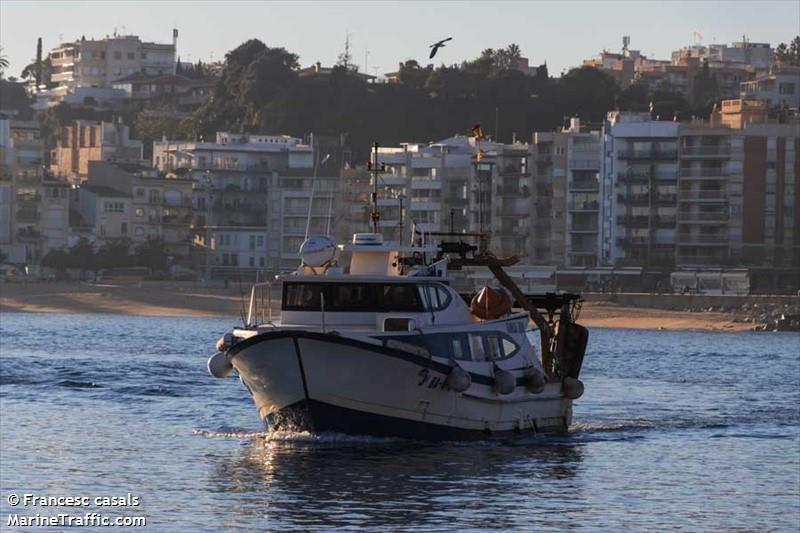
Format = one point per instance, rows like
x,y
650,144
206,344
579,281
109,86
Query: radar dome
x,y
318,251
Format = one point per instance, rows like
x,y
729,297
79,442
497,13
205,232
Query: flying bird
x,y
435,46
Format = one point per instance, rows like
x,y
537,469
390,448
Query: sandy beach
x,y
197,300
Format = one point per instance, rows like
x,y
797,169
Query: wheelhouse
x,y
365,296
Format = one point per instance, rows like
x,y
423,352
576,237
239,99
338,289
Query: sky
x,y
383,34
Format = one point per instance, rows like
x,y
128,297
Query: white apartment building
x,y
251,196
34,207
759,55
638,191
99,62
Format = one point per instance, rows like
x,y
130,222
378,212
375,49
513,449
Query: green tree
x,y
635,97
412,75
587,92
115,253
152,254
3,63
705,91
83,256
58,260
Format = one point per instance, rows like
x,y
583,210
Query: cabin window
x,y
303,296
352,297
400,298
435,297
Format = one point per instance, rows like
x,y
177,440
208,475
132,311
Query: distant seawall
x,y
691,301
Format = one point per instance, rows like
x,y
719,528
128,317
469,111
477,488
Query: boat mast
x,y
373,168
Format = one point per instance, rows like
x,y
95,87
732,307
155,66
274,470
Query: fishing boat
x,y
374,339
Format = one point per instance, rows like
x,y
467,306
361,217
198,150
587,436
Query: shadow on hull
x,y
318,417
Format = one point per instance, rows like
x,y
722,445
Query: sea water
x,y
677,430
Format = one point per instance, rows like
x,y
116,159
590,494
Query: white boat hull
x,y
322,382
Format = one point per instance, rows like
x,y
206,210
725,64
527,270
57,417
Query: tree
x,y
3,63
115,253
152,254
58,260
788,54
705,92
413,75
635,97
587,92
82,256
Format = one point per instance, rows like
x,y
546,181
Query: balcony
x,y
28,235
29,198
176,219
706,151
664,221
666,198
720,217
584,185
627,242
583,228
27,215
653,154
704,238
592,205
703,196
631,221
584,164
513,191
704,173
634,199
633,177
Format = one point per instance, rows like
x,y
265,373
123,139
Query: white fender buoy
x,y
219,366
573,388
504,382
534,380
458,379
225,342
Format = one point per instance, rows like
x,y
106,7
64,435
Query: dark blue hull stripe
x,y
344,341
319,417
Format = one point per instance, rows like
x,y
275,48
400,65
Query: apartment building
x,y
107,211
34,207
436,185
780,88
85,140
759,55
444,186
251,198
99,62
160,205
738,195
638,191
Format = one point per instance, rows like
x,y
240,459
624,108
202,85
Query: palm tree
x,y
3,63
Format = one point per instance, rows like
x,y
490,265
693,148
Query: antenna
x,y
374,169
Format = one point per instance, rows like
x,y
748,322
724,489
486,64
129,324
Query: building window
x,y
131,56
139,231
139,211
261,262
117,55
252,261
123,228
144,55
139,192
114,207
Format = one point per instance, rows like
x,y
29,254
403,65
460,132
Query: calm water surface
x,y
677,430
